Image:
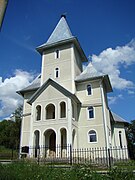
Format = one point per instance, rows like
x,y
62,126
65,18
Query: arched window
x,y
90,112
38,113
120,139
57,72
62,110
73,111
88,89
50,111
92,136
57,54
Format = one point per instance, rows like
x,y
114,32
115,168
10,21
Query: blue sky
x,y
105,29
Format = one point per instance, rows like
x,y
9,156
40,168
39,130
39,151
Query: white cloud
x,y
110,61
9,99
22,44
131,92
114,99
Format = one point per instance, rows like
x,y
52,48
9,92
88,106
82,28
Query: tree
x,y
130,131
16,129
10,130
5,128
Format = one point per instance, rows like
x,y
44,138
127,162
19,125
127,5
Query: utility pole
x,y
3,7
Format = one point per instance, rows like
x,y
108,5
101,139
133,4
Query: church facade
x,y
66,105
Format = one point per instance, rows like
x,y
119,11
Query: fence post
x,y
12,154
109,158
70,155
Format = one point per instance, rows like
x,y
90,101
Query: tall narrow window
x,y
120,139
57,54
38,113
57,72
90,112
92,136
62,110
88,89
73,111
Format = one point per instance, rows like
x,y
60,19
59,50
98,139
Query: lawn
x,y
33,171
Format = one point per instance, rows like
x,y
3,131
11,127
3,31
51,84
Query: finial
x,y
63,15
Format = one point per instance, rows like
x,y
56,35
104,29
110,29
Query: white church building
x,y
66,105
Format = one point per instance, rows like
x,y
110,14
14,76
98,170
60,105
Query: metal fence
x,y
8,154
68,155
100,156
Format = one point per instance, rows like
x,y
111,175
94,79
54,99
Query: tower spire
x,y
61,31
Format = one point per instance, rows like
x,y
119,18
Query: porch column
x,y
69,133
41,143
31,140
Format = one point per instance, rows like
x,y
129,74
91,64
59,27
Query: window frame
x,y
36,113
92,135
90,118
57,71
120,139
57,54
60,110
55,110
87,92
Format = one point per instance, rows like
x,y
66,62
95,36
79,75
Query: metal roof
x,y
89,72
33,86
60,36
60,33
117,118
57,86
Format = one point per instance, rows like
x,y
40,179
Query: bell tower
x,y
62,56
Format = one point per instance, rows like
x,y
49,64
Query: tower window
x,y
88,89
57,54
57,72
90,112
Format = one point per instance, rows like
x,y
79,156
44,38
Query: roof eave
x,y
26,91
104,77
87,79
74,40
114,120
41,89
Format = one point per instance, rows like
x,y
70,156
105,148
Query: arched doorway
x,y
50,143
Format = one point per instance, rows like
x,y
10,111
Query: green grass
x,y
33,171
129,165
